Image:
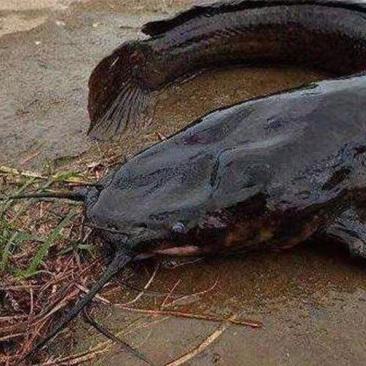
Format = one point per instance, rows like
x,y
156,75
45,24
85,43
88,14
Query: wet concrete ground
x,y
312,300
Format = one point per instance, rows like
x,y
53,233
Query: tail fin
x,y
117,95
120,261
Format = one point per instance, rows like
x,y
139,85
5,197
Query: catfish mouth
x,y
242,236
174,251
181,251
184,246
192,244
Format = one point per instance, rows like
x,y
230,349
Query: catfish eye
x,y
179,228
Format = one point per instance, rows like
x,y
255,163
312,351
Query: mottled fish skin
x,y
325,35
266,173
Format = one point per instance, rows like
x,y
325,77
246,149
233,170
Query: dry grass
x,y
45,253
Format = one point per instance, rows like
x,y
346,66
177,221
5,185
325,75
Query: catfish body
x,y
327,35
266,173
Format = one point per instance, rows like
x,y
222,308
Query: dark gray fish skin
x,y
267,173
328,35
209,9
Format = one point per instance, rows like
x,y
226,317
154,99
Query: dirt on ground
x,y
311,300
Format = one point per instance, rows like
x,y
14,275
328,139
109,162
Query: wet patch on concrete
x,y
311,301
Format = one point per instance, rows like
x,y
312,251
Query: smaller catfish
x,y
329,35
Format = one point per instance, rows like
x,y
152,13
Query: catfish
x,y
265,174
328,35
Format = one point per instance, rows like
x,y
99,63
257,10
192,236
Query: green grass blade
x,y
68,176
8,203
11,243
29,202
43,250
6,252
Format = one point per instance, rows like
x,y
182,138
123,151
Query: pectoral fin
x,y
350,231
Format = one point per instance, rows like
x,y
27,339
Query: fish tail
x,y
119,97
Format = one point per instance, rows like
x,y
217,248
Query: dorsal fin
x,y
159,27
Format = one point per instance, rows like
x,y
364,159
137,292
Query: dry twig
x,y
145,287
179,314
204,345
